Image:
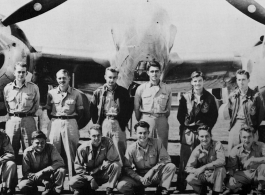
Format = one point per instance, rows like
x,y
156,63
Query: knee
x,y
24,185
124,186
171,167
190,178
116,166
73,181
10,165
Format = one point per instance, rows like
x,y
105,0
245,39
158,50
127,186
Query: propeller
x,y
31,10
251,8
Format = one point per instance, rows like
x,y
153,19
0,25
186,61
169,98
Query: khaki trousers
x,y
158,127
216,178
9,174
163,178
111,129
17,129
64,135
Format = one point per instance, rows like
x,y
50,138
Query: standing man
x,y
246,163
22,100
110,107
206,164
152,165
152,103
65,109
96,163
245,107
42,165
196,107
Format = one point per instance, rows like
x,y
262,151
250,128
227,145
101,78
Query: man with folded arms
x,y
206,164
152,162
22,101
96,163
42,165
246,163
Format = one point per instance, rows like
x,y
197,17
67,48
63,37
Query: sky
x,y
205,26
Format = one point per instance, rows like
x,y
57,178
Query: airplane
x,y
148,34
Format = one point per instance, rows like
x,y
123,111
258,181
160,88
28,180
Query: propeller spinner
x,y
251,8
30,10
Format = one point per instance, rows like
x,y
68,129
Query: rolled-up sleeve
x,y
169,101
79,102
48,105
220,157
36,100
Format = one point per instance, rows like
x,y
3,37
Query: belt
x,y
155,114
64,117
21,114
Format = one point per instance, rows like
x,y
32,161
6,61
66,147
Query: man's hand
x,y
249,162
200,170
47,184
38,175
232,181
105,165
149,175
145,181
93,184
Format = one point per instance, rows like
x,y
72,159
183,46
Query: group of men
x,y
146,162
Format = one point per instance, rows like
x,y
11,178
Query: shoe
x,y
77,192
47,192
109,191
227,191
215,193
139,191
181,186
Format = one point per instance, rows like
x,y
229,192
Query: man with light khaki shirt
x,y
152,103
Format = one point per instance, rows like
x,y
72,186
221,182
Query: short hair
x,y
112,69
153,64
96,127
243,72
64,71
196,74
248,129
205,128
21,64
38,134
141,124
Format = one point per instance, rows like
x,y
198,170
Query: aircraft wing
x,y
218,69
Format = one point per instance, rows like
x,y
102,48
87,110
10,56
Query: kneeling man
x,y
42,165
246,163
206,164
96,163
152,162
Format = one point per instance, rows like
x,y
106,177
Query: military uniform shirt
x,y
25,99
238,156
64,104
153,99
145,159
49,159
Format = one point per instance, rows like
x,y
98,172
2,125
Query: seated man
x,y
8,167
206,164
152,162
246,163
42,165
96,163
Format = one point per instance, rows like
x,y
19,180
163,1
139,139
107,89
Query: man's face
x,y
205,138
142,134
63,79
20,73
38,144
111,78
95,137
154,73
247,138
197,83
242,81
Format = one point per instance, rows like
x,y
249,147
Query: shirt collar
x,y
148,143
15,86
210,146
253,147
107,89
149,84
69,90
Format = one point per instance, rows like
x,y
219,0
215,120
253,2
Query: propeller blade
x,y
251,8
30,10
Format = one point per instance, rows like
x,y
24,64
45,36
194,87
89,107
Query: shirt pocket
x,y
27,99
147,99
162,100
153,157
70,105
